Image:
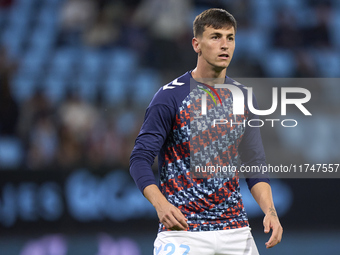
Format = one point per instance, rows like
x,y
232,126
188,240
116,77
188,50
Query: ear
x,y
196,45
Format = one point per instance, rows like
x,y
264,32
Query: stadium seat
x,y
48,16
145,85
87,87
263,14
126,123
63,63
32,62
43,37
114,90
328,62
91,64
318,139
24,3
334,28
291,4
3,17
331,91
55,87
252,43
11,152
23,87
20,13
317,143
13,38
54,3
122,60
279,63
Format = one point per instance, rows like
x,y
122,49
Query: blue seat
x,y
23,87
49,17
334,27
13,38
11,152
115,90
263,13
331,91
3,16
336,4
24,3
328,62
62,63
318,143
251,43
20,13
32,62
122,60
55,88
145,85
91,64
87,87
279,63
43,37
291,4
54,3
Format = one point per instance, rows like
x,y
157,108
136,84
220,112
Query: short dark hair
x,y
214,17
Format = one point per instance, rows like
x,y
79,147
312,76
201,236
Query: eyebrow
x,y
219,34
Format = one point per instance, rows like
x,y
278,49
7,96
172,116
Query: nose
x,y
224,44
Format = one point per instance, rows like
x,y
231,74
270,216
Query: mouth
x,y
224,56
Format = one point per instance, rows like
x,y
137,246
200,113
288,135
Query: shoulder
x,y
236,84
241,91
239,87
173,93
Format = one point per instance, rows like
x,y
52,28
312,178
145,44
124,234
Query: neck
x,y
209,74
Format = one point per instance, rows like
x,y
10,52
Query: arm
x,y
156,126
170,216
262,193
251,151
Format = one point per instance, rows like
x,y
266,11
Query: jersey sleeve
x,y
157,124
251,151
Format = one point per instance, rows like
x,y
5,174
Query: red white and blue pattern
x,y
169,131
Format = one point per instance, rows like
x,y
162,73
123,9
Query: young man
x,y
202,215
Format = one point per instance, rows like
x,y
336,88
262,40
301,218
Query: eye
x,y
231,39
214,37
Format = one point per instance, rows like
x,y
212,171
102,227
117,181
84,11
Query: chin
x,y
221,67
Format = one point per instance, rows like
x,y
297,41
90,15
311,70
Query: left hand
x,y
271,221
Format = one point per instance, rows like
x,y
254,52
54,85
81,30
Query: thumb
x,y
266,226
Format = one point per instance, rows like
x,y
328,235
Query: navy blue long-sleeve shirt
x,y
168,131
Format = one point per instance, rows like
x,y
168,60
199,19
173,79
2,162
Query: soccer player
x,y
202,215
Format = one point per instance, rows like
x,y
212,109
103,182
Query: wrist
x,y
160,203
271,211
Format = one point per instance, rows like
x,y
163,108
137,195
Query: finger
x,y
181,219
271,244
166,224
184,223
174,224
266,225
274,238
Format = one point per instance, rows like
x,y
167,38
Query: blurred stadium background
x,y
76,77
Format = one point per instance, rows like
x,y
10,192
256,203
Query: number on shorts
x,y
172,248
158,250
185,247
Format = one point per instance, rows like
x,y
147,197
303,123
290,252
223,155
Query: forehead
x,y
224,30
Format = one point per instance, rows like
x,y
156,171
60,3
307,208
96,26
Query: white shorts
x,y
221,242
